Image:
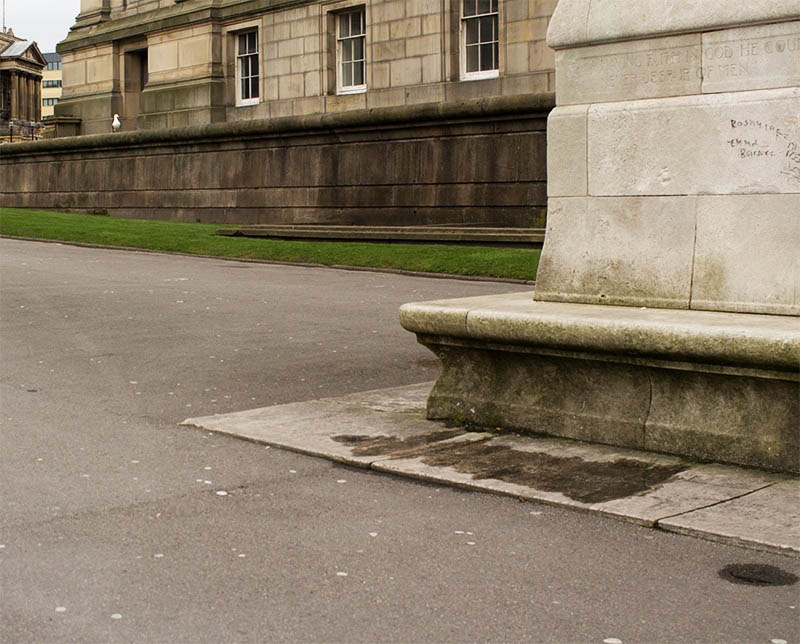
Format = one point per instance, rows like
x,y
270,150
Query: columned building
x,y
21,65
172,63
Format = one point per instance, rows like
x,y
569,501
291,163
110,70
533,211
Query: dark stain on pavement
x,y
581,480
397,447
756,574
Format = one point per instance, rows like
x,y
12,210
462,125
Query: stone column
x,y
37,100
25,98
31,97
20,96
14,96
22,86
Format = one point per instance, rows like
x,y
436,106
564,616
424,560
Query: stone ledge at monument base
x,y
709,385
477,162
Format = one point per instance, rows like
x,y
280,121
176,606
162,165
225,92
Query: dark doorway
x,y
135,82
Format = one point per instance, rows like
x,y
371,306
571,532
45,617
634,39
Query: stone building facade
x,y
21,65
51,84
173,63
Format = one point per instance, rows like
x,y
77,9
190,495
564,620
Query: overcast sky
x,y
45,21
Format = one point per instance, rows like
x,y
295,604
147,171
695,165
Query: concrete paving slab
x,y
333,427
769,517
696,487
386,430
692,486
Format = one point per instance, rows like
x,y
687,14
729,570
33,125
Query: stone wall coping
x,y
60,118
584,22
327,122
711,337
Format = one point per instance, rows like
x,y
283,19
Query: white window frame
x,y
341,88
239,56
494,11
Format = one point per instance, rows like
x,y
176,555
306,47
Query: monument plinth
x,y
667,307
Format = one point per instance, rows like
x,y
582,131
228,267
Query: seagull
x,y
115,125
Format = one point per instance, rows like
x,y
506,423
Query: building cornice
x,y
182,14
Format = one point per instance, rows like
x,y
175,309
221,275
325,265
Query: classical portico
x,y
21,65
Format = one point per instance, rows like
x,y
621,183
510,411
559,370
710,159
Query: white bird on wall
x,y
116,124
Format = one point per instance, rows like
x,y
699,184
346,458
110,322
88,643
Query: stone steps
x,y
468,235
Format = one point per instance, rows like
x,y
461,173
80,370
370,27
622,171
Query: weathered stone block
x,y
99,68
722,418
743,142
634,251
517,58
761,57
162,57
566,149
407,71
631,70
194,51
407,28
291,86
757,268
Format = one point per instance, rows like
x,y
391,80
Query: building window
x,y
350,52
54,66
51,83
480,42
50,101
247,74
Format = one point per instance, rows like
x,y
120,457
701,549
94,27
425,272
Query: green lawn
x,y
200,239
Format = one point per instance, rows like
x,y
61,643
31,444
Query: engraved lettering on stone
x,y
647,67
731,60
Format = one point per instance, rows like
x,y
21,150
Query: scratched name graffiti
x,y
792,166
754,139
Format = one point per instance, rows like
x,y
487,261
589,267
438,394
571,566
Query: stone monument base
x,y
708,385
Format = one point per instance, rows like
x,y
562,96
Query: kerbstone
x,y
770,514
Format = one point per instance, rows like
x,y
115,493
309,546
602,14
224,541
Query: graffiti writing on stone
x,y
756,139
791,167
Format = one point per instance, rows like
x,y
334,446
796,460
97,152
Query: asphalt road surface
x,y
114,528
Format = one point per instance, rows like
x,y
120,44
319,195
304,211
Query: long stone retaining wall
x,y
477,162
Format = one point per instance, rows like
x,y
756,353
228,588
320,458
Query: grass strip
x,y
200,239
